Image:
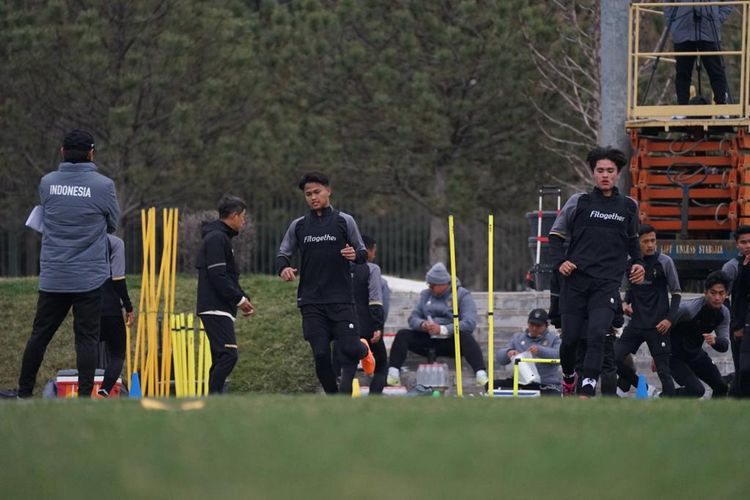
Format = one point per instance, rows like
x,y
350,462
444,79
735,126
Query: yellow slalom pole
x,y
183,355
208,360
173,335
191,356
201,360
168,348
456,331
490,307
128,367
515,377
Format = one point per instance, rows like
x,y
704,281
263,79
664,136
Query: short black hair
x,y
645,229
717,278
229,205
740,231
606,153
369,241
317,177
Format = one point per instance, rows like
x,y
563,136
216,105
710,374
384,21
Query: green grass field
x,y
273,446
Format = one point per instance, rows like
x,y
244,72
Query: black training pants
x,y
113,336
51,310
324,323
223,341
381,366
684,71
420,343
743,374
659,347
608,376
689,373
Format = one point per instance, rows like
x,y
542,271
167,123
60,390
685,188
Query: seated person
x,y
703,319
541,342
431,327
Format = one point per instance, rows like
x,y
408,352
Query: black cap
x,y
79,140
538,317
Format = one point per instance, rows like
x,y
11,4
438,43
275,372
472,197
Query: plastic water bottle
x,y
442,375
422,374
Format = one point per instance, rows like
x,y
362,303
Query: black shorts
x,y
580,293
657,343
333,321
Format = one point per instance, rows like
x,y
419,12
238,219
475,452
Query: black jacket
x,y
218,278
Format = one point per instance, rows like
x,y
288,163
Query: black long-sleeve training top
x,y
602,231
650,298
324,274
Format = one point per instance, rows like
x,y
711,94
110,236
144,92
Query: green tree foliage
x,y
423,103
165,87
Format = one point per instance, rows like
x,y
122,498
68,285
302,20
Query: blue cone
x,y
641,392
135,386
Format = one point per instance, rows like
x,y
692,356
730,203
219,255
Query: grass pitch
x,y
266,446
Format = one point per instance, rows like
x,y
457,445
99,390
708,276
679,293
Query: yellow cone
x,y
356,392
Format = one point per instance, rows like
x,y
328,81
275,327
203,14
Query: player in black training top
x,y
328,240
601,228
652,314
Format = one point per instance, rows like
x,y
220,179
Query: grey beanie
x,y
438,275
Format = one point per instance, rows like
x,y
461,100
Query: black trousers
x,y
735,389
113,336
743,373
659,347
684,71
608,375
420,343
381,366
588,307
51,310
324,323
223,342
688,372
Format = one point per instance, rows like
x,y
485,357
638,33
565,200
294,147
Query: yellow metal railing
x,y
639,112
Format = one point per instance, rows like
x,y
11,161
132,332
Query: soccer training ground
x,y
273,446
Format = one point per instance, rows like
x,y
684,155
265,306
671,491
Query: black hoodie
x,y
218,278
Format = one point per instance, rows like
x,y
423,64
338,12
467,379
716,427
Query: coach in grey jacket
x,y
79,208
431,327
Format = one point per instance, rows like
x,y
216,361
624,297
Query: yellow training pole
x,y
166,272
168,348
191,356
127,356
490,307
173,335
208,359
183,355
515,377
153,312
201,360
456,331
176,350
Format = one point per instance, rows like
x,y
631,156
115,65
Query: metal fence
x,y
402,233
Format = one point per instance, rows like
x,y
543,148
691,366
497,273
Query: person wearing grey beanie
x,y
431,327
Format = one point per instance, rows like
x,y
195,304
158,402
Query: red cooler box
x,y
66,383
